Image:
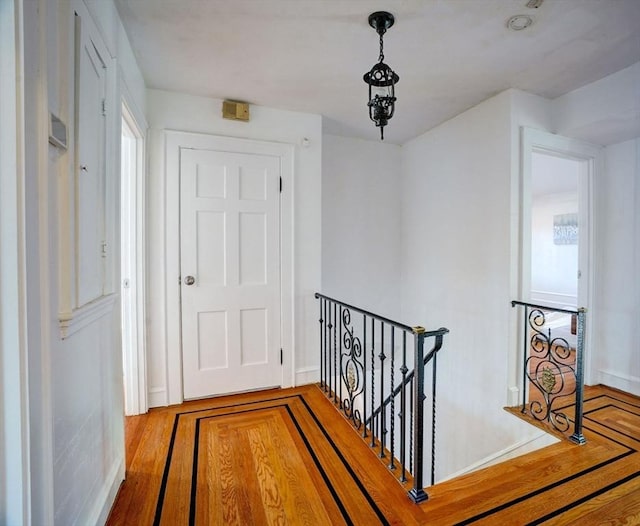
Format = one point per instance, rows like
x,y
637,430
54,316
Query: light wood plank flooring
x,y
288,457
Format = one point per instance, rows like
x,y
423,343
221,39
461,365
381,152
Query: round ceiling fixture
x,y
519,22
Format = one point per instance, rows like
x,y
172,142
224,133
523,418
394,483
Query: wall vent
x,y
237,111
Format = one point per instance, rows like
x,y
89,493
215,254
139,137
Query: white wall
x,y
461,197
460,267
554,268
75,384
361,234
173,111
617,295
607,112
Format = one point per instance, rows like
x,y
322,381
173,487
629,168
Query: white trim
x,y
627,383
528,445
157,397
15,479
135,350
174,141
71,322
307,375
533,140
107,496
135,113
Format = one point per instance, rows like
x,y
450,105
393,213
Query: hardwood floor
x,y
288,457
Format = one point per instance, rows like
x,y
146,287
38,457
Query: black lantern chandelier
x,y
381,79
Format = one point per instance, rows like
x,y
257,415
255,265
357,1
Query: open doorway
x,y
557,234
132,264
555,239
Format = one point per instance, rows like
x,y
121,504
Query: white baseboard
x,y
157,397
523,447
307,375
513,396
107,495
628,384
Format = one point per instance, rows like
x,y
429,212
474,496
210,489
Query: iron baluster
x,y
525,350
382,357
372,424
417,493
433,409
327,346
403,407
330,352
577,435
392,415
336,377
321,346
364,372
411,399
340,379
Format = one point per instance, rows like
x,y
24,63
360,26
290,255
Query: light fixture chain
x,y
381,57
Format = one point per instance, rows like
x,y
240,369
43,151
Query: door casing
x,y
533,140
133,261
176,141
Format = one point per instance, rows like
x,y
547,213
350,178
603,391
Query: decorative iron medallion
x,y
548,380
351,370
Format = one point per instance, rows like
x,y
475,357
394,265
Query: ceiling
x,y
551,175
310,55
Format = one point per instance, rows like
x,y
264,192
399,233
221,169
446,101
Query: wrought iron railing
x,y
367,370
552,376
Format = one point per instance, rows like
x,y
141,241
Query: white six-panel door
x,y
230,271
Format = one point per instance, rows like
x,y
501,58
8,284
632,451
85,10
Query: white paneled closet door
x,y
230,271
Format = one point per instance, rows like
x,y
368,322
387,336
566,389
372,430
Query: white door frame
x,y
174,142
544,142
133,254
15,478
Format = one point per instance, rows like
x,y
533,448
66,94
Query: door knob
x,y
189,280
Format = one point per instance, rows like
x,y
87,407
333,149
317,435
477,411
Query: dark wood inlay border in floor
x,y
290,405
562,484
604,402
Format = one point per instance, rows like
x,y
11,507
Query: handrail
x,y
359,362
437,346
546,362
366,313
547,307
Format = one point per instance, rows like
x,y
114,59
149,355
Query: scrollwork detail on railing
x,y
550,370
351,370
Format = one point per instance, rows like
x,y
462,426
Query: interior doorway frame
x,y
16,479
538,141
174,142
133,259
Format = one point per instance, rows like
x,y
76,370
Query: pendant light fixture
x,y
381,79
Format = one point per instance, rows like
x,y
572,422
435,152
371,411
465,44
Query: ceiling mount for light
x,y
519,22
381,78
